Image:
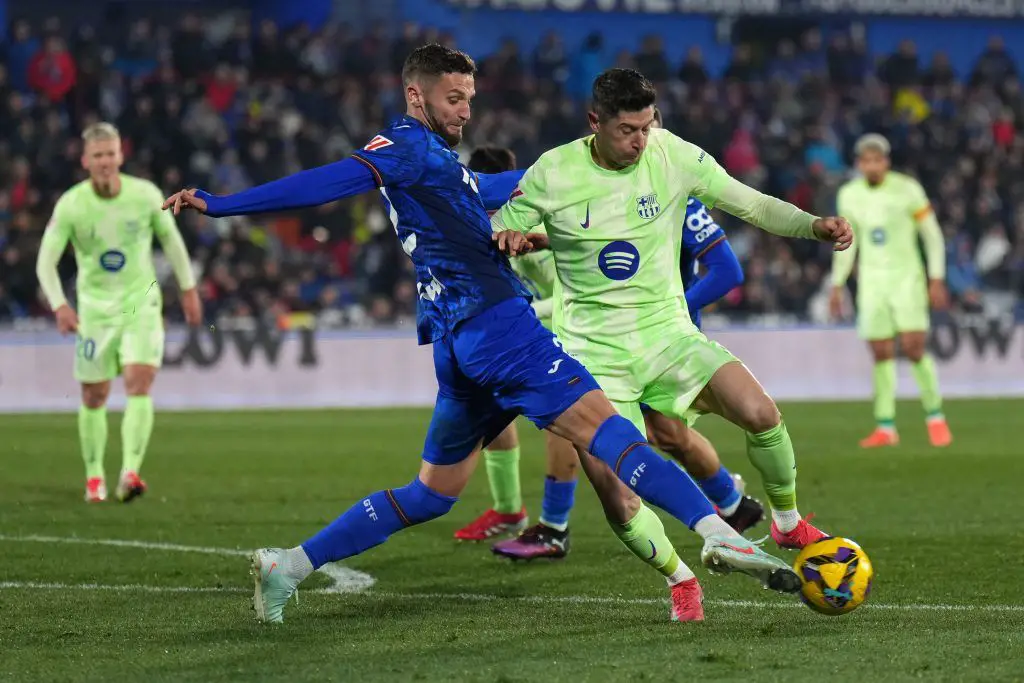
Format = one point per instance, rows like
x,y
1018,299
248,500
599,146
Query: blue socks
x,y
656,480
558,500
720,488
372,520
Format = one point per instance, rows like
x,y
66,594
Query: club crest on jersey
x,y
378,142
647,206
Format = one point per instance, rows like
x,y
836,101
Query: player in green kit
x,y
611,205
888,211
110,220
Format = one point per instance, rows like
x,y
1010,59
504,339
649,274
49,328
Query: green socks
x,y
645,537
92,435
928,382
503,475
771,453
885,392
136,428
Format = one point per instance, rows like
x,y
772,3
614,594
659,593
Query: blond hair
x,y
100,131
872,142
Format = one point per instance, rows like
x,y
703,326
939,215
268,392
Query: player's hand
x,y
834,229
835,303
186,199
192,307
67,319
938,295
512,242
538,240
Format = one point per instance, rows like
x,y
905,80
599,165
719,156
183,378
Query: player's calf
x,y
366,524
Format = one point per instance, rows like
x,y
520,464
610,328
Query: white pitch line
x,y
483,597
343,579
350,581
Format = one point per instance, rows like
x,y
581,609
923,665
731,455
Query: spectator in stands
x,y
994,65
51,73
692,71
901,69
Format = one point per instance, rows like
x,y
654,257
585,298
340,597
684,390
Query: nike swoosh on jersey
x,y
586,223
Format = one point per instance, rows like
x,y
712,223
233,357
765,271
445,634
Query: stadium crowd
x,y
218,103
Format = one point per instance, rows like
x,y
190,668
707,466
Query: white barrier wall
x,y
260,368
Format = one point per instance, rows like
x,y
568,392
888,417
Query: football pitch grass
x,y
942,527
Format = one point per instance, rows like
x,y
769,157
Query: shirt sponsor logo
x,y
619,260
112,260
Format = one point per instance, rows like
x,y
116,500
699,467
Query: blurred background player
x,y
704,243
888,211
110,220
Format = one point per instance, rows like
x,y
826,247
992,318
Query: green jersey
x,y
537,272
113,244
615,235
887,219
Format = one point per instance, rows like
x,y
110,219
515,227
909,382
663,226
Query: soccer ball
x,y
835,575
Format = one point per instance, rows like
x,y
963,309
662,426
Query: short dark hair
x,y
618,90
492,160
433,61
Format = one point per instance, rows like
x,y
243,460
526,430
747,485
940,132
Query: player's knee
x,y
416,503
913,349
95,395
761,415
138,380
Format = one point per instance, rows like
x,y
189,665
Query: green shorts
x,y
882,313
101,351
666,377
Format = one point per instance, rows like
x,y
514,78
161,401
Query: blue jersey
x,y
700,234
435,206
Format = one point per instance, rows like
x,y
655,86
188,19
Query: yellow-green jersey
x,y
615,234
616,241
887,220
537,272
113,245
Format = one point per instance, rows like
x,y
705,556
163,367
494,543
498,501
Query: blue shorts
x,y
493,367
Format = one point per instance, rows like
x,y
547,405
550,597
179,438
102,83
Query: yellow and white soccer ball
x,y
835,575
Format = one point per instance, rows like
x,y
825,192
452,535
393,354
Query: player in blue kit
x,y
493,359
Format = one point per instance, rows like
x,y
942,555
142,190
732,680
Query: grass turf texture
x,y
942,527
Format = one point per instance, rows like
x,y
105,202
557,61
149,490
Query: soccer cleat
x,y
802,535
747,515
493,523
273,586
95,490
938,432
537,541
687,601
880,437
723,555
129,487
